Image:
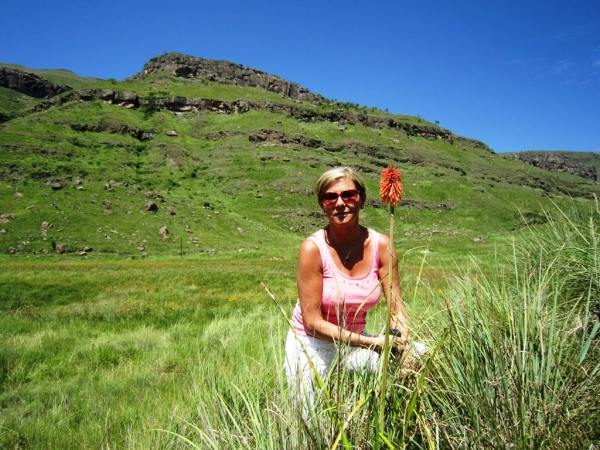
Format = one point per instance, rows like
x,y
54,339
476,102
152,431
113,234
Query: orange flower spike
x,y
390,186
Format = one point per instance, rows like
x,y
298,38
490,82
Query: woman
x,y
340,273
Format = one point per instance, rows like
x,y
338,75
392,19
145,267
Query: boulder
x,y
61,248
5,218
57,186
126,97
151,207
171,210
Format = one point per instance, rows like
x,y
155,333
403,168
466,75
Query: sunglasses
x,y
349,196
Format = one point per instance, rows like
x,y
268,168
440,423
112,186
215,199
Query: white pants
x,y
299,350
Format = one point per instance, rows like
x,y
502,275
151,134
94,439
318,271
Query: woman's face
x,y
342,212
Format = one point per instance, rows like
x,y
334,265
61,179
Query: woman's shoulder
x,y
377,236
382,239
309,255
311,243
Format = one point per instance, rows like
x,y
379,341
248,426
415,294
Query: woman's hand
x,y
397,344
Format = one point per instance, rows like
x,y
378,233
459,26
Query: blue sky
x,y
517,75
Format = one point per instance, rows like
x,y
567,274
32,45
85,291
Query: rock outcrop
x,y
227,73
556,162
29,83
298,112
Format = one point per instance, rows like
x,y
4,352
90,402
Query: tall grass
x,y
517,372
570,243
514,362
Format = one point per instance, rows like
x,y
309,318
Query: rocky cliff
x,y
299,112
29,83
556,162
225,72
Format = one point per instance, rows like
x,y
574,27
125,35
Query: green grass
x,y
152,353
85,343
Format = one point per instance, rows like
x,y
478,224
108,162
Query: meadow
x,y
188,353
141,338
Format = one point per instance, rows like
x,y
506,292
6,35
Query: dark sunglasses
x,y
349,196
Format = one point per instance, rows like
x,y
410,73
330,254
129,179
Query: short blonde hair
x,y
338,173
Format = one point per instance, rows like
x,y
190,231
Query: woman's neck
x,y
344,236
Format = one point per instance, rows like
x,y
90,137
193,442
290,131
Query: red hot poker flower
x,y
390,186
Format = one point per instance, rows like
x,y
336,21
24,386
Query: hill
x,y
201,157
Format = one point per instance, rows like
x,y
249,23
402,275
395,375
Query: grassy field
x,y
115,348
109,350
179,352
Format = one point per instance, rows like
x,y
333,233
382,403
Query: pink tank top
x,y
346,299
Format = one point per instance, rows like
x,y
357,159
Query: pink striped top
x,y
346,299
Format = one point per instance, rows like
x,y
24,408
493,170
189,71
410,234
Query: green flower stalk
x,y
390,189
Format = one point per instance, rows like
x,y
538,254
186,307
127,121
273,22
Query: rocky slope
x,y
29,83
556,162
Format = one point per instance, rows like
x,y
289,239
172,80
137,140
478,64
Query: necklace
x,y
349,251
351,248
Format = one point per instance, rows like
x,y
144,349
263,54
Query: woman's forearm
x,y
399,318
331,332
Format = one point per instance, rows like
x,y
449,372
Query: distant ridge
x,y
567,162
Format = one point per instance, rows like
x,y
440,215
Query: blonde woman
x,y
340,269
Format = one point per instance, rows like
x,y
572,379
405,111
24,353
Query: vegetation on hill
x,y
241,180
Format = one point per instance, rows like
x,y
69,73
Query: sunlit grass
x,y
183,352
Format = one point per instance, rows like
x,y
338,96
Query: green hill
x,y
230,168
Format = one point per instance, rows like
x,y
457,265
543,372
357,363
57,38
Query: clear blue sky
x,y
517,75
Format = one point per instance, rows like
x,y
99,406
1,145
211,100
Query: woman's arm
x,y
399,317
310,292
